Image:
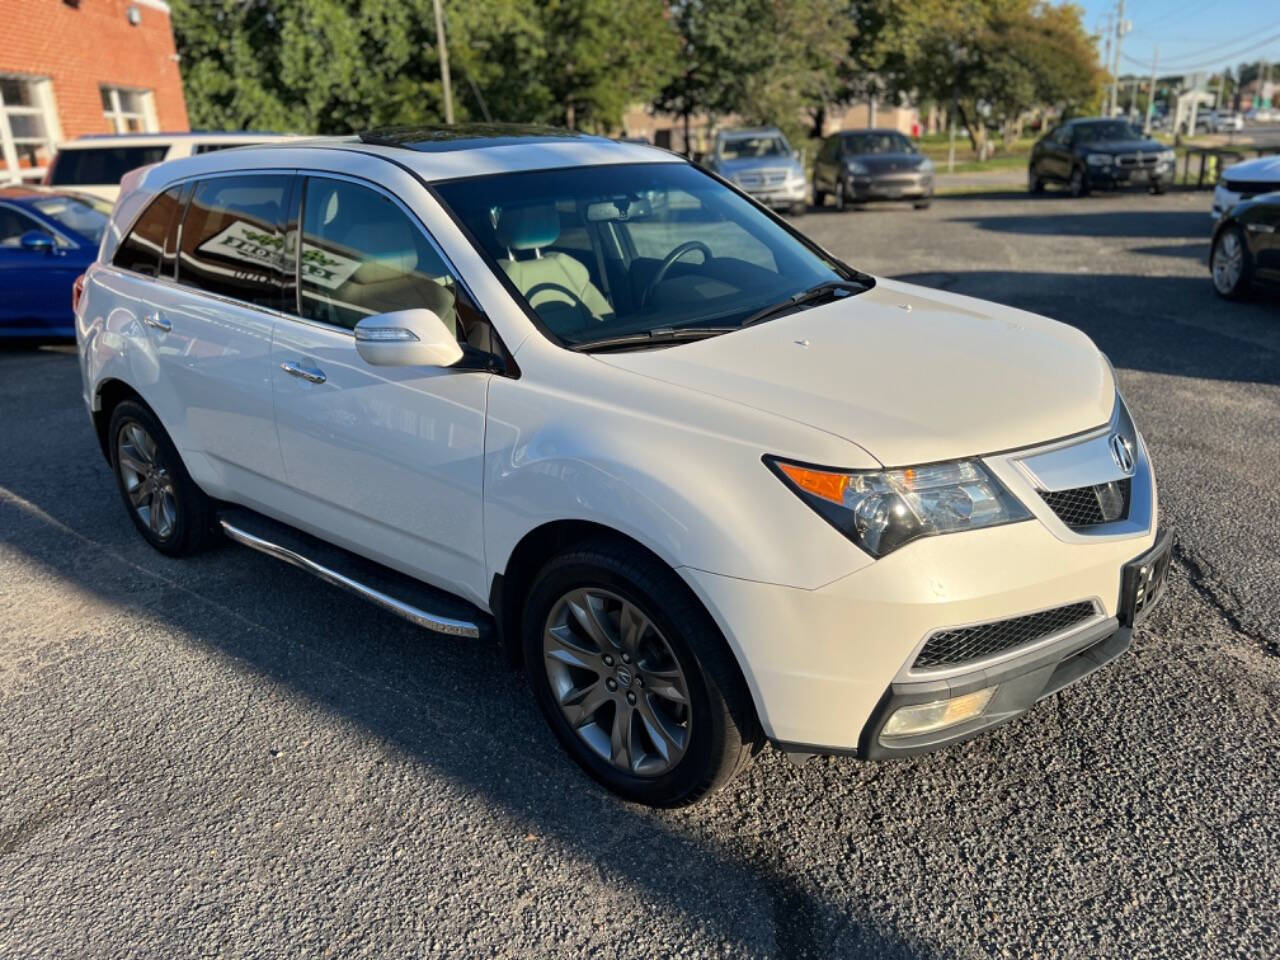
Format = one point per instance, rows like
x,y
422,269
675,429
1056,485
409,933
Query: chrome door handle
x,y
158,322
310,374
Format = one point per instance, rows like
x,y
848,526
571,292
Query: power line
x,y
1217,60
1227,43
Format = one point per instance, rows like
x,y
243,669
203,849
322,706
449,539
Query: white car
x,y
94,164
1245,180
1227,121
709,485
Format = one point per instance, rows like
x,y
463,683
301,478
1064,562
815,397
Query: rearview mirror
x,y
407,338
37,241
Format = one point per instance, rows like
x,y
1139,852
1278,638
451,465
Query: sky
x,y
1191,34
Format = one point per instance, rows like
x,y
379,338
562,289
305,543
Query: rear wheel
x,y
633,676
819,198
164,503
1229,264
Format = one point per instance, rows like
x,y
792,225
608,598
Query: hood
x,y
1123,146
950,377
1262,169
888,162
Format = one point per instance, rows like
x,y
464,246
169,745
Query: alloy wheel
x,y
617,681
1228,262
147,481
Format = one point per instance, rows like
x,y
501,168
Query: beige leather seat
x,y
391,275
556,285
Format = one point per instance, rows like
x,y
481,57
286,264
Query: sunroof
x,y
465,136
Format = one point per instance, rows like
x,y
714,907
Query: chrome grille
x,y
1091,506
949,648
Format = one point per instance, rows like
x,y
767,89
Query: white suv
x,y
708,484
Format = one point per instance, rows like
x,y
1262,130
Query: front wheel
x,y
1229,264
842,199
1034,183
1157,187
1079,185
633,676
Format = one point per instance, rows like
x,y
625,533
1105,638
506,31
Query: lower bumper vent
x,y
950,648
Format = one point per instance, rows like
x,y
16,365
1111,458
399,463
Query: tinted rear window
x,y
101,165
142,249
233,238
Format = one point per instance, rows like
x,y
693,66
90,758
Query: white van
x,y
95,164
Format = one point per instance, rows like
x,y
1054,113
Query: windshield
x,y
608,251
858,143
1104,131
745,148
99,166
85,216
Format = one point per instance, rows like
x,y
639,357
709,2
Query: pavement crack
x,y
1221,597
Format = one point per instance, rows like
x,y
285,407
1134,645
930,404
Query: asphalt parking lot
x,y
223,757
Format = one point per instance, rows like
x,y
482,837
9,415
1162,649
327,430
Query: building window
x,y
128,111
28,128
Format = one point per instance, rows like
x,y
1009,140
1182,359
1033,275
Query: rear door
x,y
212,331
387,461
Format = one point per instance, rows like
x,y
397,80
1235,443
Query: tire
x,y
799,209
842,199
922,204
1230,283
710,733
819,198
164,503
1079,184
1157,188
1034,183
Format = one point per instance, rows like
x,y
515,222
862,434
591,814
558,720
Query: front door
x,y
35,285
386,461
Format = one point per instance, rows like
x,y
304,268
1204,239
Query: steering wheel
x,y
575,301
669,261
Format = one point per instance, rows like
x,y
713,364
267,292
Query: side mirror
x,y
37,241
407,338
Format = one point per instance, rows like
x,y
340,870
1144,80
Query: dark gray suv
x,y
856,166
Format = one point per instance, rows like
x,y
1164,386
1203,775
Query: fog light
x,y
927,717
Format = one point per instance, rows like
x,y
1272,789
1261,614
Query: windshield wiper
x,y
655,337
833,289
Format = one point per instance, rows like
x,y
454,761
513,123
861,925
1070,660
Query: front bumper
x,y
1117,177
827,667
891,186
785,195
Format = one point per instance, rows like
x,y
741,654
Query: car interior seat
x,y
557,285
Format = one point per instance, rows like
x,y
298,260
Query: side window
x,y
13,225
233,238
362,255
143,247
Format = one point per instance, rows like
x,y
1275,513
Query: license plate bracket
x,y
1144,579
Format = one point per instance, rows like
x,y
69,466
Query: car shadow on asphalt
x,y
1069,221
1160,324
451,705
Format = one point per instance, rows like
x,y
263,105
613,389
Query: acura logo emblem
x,y
1121,453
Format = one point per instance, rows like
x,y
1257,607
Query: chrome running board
x,y
322,560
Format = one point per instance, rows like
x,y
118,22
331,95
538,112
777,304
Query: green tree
x,y
333,66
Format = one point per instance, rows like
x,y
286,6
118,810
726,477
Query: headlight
x,y
853,166
1166,156
881,510
926,165
1098,160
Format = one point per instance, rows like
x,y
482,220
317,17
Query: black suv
x,y
1096,152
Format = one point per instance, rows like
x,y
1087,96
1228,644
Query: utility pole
x,y
1151,98
443,48
1121,30
1111,29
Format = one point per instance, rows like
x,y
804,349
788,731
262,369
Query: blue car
x,y
48,238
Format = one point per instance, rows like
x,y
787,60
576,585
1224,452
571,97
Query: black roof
x,y
466,136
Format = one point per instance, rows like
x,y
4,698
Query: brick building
x,y
73,67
